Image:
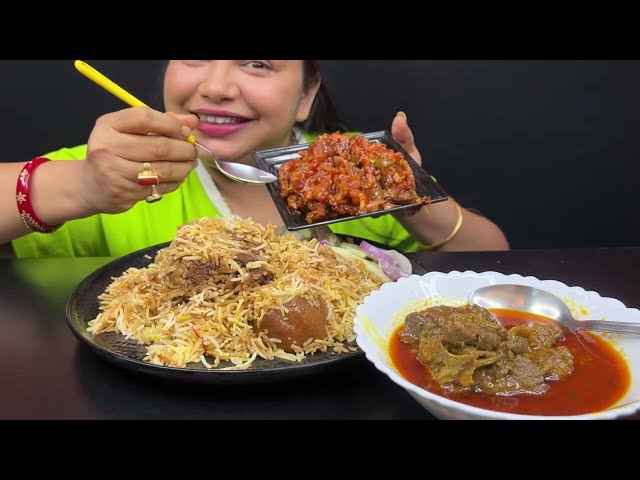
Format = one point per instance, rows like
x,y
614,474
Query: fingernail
x,y
185,131
403,114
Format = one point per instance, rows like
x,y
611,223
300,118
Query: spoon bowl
x,y
236,171
541,302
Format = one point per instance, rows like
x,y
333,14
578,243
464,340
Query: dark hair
x,y
323,117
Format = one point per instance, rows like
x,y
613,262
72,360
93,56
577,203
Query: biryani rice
x,y
200,300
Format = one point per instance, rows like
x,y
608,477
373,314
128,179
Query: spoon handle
x,y
613,327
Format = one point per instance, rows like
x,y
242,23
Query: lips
x,y
217,130
219,123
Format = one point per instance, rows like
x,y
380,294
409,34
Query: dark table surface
x,y
47,373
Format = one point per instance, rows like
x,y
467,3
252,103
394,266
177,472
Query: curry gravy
x,y
600,378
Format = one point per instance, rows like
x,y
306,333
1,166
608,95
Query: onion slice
x,y
388,264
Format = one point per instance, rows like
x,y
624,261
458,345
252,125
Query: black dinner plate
x,y
83,306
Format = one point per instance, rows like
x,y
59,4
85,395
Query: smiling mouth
x,y
221,120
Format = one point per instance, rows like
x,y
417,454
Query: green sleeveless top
x,y
147,224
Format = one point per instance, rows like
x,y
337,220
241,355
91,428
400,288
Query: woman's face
x,y
243,105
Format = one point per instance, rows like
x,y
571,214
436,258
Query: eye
x,y
258,64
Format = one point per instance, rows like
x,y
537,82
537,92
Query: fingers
x,y
153,148
189,120
144,121
144,135
404,136
167,172
125,193
122,142
401,131
164,188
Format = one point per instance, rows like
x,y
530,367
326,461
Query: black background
x,y
546,148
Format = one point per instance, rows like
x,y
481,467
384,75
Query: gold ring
x,y
147,176
155,195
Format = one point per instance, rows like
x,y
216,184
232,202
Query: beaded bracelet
x,y
23,198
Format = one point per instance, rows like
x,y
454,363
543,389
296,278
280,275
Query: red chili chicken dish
x,y
339,175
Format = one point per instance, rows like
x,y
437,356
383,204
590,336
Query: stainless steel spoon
x,y
540,302
237,171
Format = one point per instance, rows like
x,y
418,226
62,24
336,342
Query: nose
x,y
220,83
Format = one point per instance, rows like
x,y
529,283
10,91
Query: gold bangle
x,y
453,233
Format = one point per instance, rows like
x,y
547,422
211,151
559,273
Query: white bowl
x,y
384,310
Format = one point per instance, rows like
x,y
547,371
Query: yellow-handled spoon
x,y
235,171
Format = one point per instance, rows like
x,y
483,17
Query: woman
x,y
96,207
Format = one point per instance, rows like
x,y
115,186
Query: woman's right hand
x,y
120,143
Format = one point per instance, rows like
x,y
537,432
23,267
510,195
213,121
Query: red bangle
x,y
23,198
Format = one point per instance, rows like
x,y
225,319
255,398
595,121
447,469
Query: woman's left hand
x,y
402,133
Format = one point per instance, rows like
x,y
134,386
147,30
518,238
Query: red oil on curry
x,y
600,377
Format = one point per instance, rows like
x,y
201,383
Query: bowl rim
x,y
367,346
